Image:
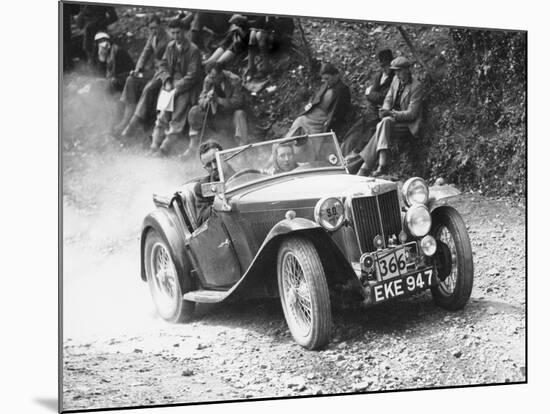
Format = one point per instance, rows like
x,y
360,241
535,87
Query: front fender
x,y
439,195
265,260
288,226
165,222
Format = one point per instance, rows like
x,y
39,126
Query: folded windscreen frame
x,y
276,206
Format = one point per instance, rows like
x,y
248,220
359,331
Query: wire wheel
x,y
448,285
165,281
454,290
304,292
296,293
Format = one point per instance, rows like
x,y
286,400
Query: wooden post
x,y
414,51
311,60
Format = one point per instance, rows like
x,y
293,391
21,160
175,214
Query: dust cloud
x,y
107,191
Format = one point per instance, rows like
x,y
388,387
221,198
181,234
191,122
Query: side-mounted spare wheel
x,y
454,259
165,280
304,292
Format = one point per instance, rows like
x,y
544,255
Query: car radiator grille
x,y
367,212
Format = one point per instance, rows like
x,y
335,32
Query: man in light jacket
x,y
180,72
400,114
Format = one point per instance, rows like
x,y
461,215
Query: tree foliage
x,y
479,112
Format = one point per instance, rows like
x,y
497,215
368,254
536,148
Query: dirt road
x,y
117,352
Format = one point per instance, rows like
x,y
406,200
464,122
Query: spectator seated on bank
x,y
358,135
234,43
328,109
146,68
93,19
206,27
221,103
111,63
401,116
180,74
268,34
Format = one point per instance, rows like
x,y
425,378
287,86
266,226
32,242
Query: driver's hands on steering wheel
x,y
245,171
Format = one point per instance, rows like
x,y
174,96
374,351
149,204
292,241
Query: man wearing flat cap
x,y
400,114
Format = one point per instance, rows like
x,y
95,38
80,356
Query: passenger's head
x,y
154,24
329,74
402,67
177,30
207,155
283,154
385,57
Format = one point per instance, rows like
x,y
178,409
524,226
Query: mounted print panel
x,y
260,206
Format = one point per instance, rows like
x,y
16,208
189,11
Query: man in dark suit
x,y
400,114
358,135
179,72
328,108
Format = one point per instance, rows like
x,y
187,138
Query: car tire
x,y
165,280
302,288
453,292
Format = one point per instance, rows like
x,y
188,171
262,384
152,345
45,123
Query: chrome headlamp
x,y
415,191
329,213
418,220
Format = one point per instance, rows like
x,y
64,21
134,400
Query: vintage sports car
x,y
288,219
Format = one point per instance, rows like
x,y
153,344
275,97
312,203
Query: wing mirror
x,y
216,189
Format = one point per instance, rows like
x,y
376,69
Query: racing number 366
x,y
392,265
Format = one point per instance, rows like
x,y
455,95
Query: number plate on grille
x,y
392,263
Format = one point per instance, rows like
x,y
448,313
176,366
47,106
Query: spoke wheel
x,y
304,293
164,280
455,288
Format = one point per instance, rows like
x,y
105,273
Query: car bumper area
x,y
399,286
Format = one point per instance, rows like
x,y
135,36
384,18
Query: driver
x,y
283,158
207,155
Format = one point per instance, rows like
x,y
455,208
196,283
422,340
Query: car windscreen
x,y
254,162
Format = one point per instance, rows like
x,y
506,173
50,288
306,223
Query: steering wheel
x,y
242,172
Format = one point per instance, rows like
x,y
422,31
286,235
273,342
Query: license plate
x,y
403,285
392,263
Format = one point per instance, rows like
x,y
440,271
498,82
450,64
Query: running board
x,y
206,296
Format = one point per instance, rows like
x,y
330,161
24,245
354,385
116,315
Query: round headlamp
x,y
418,220
329,213
415,191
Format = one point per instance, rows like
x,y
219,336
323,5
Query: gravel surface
x,y
117,352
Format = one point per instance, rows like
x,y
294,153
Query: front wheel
x,y
304,292
164,281
454,257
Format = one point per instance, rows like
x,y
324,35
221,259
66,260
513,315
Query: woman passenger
x,y
283,158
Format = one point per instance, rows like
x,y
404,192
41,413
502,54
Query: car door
x,y
215,255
